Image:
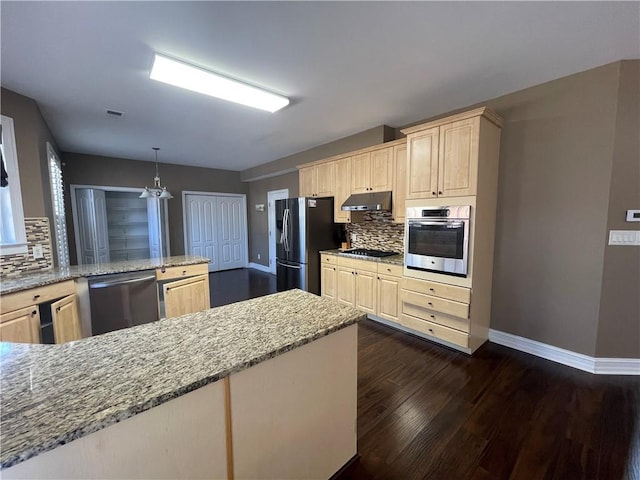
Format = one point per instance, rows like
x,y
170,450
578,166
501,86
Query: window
x,y
12,233
57,200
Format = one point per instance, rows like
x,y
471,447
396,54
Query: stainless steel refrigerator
x,y
304,226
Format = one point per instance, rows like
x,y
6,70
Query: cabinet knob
x,y
432,316
433,193
432,289
439,193
33,314
430,304
184,272
35,297
431,330
57,309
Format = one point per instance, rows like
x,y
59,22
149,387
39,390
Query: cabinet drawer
x,y
184,271
358,264
450,292
457,309
330,259
448,334
456,323
389,269
34,296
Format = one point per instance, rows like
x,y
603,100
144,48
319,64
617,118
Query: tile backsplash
x,y
38,233
377,231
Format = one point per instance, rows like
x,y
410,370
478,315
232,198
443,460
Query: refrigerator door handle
x,y
288,266
285,228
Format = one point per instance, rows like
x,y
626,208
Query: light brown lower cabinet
x,y
20,314
21,326
185,296
66,321
369,286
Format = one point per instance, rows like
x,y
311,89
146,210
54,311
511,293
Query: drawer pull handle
x,y
388,269
430,304
184,272
432,289
431,330
35,297
433,316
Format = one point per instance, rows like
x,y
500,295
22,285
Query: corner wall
x,y
619,319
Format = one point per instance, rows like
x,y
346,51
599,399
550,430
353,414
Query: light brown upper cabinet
x,y
317,180
399,182
443,155
372,171
342,171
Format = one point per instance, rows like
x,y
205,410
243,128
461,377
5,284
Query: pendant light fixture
x,y
158,190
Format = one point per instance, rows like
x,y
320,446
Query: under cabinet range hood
x,y
365,202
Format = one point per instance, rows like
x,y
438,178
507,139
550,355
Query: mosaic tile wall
x,y
377,231
38,233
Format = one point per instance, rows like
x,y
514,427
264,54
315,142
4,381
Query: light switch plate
x,y
37,252
633,215
624,237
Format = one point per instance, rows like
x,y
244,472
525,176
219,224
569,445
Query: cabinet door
x,y
325,179
66,321
422,165
21,326
366,291
186,296
342,190
458,158
328,281
308,181
381,171
346,286
361,173
388,297
399,183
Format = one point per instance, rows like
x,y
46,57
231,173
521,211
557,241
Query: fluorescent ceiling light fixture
x,y
187,76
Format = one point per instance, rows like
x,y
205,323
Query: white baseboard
x,y
257,266
605,366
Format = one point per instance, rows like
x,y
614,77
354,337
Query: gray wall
x,y
288,164
619,321
82,169
258,221
32,135
282,173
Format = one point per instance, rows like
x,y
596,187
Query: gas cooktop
x,y
365,252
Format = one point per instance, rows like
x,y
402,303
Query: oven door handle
x,y
455,223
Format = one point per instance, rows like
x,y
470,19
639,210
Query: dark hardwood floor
x,y
427,412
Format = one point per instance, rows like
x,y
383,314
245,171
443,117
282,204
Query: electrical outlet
x,y
258,256
354,237
37,252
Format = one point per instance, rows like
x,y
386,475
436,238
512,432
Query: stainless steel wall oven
x,y
438,239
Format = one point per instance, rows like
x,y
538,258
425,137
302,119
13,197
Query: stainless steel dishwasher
x,y
122,300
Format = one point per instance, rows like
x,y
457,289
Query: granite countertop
x,y
33,280
53,394
393,260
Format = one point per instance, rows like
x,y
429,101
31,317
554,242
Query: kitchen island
x,y
259,389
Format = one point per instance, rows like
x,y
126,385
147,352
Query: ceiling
x,y
346,66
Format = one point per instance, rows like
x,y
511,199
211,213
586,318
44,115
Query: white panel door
x,y
216,228
232,232
202,236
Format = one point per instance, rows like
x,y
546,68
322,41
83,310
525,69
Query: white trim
x,y
272,196
605,366
257,266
